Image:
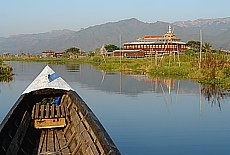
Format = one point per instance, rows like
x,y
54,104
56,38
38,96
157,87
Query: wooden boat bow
x,y
69,127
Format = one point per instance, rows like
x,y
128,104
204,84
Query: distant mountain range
x,y
215,31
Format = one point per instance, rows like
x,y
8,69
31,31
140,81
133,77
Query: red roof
x,y
149,37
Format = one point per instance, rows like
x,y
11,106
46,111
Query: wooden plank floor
x,y
52,141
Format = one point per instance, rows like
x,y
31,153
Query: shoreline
x,y
214,71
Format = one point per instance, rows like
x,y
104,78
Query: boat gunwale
x,y
11,111
96,126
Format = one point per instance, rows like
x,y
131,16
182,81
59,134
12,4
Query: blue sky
x,y
38,16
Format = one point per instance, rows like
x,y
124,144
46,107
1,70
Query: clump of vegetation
x,y
213,68
5,72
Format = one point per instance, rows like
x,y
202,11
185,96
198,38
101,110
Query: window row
x,y
151,46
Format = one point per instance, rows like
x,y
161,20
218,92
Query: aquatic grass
x,y
5,72
215,68
175,72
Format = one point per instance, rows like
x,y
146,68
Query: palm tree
x,y
207,48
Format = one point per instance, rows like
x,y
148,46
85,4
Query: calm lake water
x,y
143,116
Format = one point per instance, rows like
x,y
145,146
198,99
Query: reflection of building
x,y
152,45
169,83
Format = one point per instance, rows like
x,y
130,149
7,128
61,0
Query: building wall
x,y
155,47
129,54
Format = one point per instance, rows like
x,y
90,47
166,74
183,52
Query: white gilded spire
x,y
170,30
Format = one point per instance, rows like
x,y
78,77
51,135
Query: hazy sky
x,y
38,16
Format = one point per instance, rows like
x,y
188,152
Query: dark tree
x,y
111,48
194,45
71,52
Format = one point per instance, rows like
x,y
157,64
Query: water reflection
x,y
73,67
170,84
214,94
164,110
131,85
6,79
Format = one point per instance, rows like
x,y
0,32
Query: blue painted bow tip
x,y
52,77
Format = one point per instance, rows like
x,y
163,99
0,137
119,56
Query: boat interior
x,y
52,121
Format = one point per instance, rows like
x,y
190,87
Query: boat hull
x,y
82,132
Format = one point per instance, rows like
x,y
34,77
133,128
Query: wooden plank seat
x,y
52,141
48,116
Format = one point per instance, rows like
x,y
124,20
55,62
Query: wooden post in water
x,y
155,59
120,52
200,47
